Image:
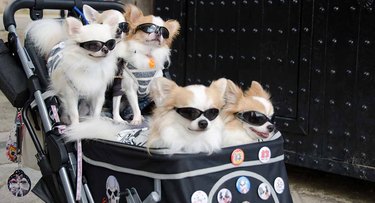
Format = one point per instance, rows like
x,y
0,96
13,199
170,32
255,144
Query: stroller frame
x,y
61,168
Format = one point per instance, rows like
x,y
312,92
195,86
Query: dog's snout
x,y
105,50
203,124
271,128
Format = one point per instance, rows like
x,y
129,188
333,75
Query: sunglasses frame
x,y
164,33
124,27
178,110
240,115
102,44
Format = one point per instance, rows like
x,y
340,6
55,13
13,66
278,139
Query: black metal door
x,y
316,57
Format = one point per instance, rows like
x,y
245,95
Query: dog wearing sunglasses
x,y
247,115
186,119
144,54
82,66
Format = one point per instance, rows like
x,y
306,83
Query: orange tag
x,y
151,63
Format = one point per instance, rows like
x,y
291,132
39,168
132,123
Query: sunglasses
x,y
123,27
193,113
95,45
152,28
254,118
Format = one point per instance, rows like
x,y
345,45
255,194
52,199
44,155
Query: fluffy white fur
x,y
137,50
170,130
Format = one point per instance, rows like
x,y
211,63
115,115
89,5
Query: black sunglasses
x,y
150,28
254,118
95,45
193,113
123,27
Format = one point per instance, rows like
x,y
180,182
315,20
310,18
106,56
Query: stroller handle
x,y
15,5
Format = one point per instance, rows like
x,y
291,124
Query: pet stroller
x,y
117,172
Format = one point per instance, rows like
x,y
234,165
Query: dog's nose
x,y
270,128
203,124
105,50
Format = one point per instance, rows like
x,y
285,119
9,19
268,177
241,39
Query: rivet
x,y
330,132
280,88
350,42
303,90
287,156
175,50
301,118
256,1
316,162
282,1
242,57
334,40
363,138
158,8
201,2
286,124
190,56
291,92
292,62
315,146
233,2
366,73
336,8
317,70
346,150
321,9
352,8
174,75
295,1
222,3
364,107
221,57
331,101
189,79
333,71
347,134
277,108
348,104
290,110
346,168
315,130
316,100
211,29
279,60
242,84
244,2
270,2
329,148
243,30
267,86
190,29
304,59
166,8
210,56
330,164
301,158
294,30
199,80
320,41
280,31
192,2
287,140
300,142
367,42
233,30
201,29
363,172
306,29
221,30
231,57
363,155
349,72
268,58
269,30
255,30
199,55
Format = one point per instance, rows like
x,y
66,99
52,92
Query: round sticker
x,y
224,196
264,191
243,185
237,157
279,185
199,197
264,154
19,183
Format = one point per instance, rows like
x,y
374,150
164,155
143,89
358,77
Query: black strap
x,y
36,12
78,4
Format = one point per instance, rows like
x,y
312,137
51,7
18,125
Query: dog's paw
x,y
137,120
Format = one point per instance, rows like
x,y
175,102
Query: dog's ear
x,y
132,13
73,25
220,85
173,27
90,13
160,88
256,89
232,93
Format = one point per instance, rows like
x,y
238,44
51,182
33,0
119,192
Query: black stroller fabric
x,y
183,174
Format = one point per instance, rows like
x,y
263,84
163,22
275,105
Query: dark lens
x,y
189,113
110,44
92,46
150,28
164,32
211,114
124,27
255,118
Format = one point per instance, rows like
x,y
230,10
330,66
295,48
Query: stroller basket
x,y
181,175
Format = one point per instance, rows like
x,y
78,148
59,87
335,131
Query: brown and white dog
x,y
247,115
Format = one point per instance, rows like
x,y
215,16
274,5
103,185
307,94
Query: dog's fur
x,y
254,99
171,130
46,33
80,73
138,49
